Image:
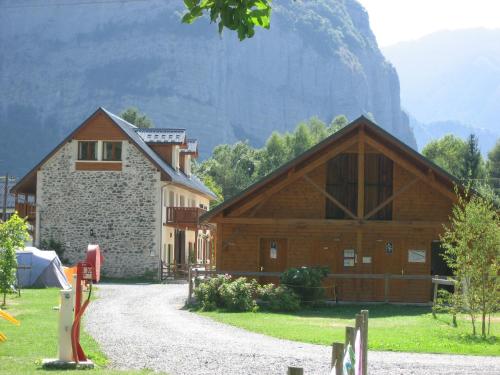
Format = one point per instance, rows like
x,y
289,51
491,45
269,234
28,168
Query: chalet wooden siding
x,y
342,183
359,204
100,128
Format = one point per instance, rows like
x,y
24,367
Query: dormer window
x,y
112,151
87,150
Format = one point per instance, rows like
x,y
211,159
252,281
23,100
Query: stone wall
x,y
122,209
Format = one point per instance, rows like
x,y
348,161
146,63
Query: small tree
x,y
472,250
136,118
13,235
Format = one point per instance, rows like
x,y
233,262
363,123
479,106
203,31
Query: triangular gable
x,y
375,138
129,132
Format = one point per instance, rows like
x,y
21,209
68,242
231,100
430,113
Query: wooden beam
x,y
329,222
410,167
330,197
391,198
361,172
291,177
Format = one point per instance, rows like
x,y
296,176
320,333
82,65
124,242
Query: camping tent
x,y
40,269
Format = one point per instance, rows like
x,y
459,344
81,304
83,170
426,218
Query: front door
x,y
180,247
273,257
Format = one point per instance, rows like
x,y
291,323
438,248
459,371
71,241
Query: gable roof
x,y
343,133
131,131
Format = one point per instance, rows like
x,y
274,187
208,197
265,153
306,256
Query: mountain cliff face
x,y
60,62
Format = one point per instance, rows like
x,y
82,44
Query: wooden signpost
x,y
340,350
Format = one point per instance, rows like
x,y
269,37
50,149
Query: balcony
x,y
26,210
183,217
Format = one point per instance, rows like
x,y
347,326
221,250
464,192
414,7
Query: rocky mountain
x,y
60,61
451,75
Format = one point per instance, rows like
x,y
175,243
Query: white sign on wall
x,y
416,256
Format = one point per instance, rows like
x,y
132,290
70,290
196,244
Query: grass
x,y
391,327
36,337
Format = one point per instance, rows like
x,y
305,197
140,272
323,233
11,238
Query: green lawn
x,y
391,327
36,337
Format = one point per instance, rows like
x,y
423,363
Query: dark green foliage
x,y
240,16
58,247
133,116
494,168
447,152
222,292
207,293
13,235
460,158
471,167
278,298
238,295
235,167
306,282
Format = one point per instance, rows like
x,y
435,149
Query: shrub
x,y
207,293
305,282
238,295
278,298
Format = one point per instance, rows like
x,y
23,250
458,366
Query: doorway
x,y
180,247
273,257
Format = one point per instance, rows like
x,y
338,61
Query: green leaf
x,y
188,18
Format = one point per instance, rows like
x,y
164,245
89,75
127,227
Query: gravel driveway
x,y
144,326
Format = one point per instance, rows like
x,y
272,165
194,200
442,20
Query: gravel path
x,y
144,326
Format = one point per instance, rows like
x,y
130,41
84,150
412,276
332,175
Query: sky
x,y
395,21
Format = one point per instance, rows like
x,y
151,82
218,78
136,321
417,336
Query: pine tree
x,y
471,169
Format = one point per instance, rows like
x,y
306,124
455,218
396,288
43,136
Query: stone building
x,y
128,189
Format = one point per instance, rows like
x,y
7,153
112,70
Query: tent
x,y
40,268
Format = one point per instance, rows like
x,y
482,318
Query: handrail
x,y
183,215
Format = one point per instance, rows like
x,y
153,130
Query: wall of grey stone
x,y
121,208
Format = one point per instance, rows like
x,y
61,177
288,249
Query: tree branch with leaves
x,y
238,15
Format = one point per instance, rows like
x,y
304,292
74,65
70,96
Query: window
x,y
342,184
112,151
171,199
181,201
87,150
378,185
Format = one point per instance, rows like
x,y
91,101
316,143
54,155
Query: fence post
x,y
364,340
295,371
190,278
337,357
350,336
434,298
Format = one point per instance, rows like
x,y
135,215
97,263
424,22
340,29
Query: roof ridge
x,y
160,130
118,117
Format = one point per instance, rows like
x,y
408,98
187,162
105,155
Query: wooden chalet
x,y
361,203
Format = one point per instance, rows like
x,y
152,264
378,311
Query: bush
x,y
278,298
238,295
305,282
207,293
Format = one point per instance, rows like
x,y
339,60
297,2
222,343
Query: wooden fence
x,y
351,356
195,273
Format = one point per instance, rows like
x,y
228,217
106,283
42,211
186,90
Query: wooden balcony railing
x,y
183,216
26,210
